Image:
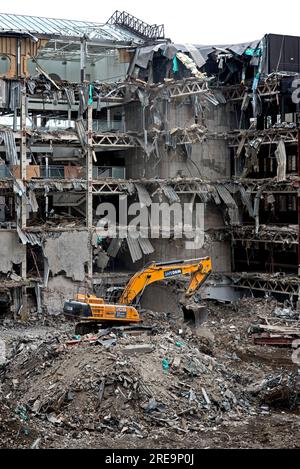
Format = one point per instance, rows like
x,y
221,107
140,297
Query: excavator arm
x,y
198,269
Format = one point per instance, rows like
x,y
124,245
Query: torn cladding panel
x,y
170,193
201,56
233,210
81,132
33,202
246,200
29,238
281,158
10,94
144,197
10,146
139,247
146,246
134,249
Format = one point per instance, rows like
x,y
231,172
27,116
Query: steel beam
x,y
89,198
268,136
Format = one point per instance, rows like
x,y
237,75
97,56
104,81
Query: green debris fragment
x,y
179,344
165,364
21,411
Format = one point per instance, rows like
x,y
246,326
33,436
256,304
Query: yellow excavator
x,y
93,310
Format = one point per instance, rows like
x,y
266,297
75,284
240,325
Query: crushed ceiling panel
x,y
29,238
134,249
170,193
138,247
33,202
226,196
146,246
144,197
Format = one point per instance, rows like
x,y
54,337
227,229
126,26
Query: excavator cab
x,y
113,294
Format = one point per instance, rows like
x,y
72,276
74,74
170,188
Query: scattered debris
x,y
161,384
137,349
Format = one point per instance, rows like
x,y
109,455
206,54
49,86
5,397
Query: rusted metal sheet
x,y
272,340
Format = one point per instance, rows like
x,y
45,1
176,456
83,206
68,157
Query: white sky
x,y
209,22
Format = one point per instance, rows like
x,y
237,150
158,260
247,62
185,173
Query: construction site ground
x,y
169,387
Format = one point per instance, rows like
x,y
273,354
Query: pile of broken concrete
x,y
126,382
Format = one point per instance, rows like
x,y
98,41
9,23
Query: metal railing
x,y
104,126
4,172
52,172
99,172
60,172
114,172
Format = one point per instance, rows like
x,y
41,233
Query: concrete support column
x,y
23,169
89,195
83,47
108,118
299,201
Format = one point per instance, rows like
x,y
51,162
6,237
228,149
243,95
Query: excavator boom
x,y
198,269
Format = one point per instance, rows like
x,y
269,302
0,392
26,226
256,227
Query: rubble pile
x,y
165,380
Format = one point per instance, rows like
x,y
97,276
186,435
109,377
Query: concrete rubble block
x,y
2,352
137,349
176,362
198,313
203,333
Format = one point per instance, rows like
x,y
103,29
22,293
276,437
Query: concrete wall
x,y
59,290
180,115
209,160
214,217
133,117
68,252
168,250
217,118
12,251
219,251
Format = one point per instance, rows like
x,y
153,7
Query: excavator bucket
x,y
195,314
162,299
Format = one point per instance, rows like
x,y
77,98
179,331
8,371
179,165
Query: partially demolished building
x,y
92,113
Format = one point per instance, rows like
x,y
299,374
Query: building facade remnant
x,y
93,114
